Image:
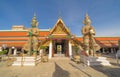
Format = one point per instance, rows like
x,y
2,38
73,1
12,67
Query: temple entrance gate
x,y
60,40
60,48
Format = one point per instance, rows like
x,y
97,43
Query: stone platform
x,y
26,61
61,67
91,61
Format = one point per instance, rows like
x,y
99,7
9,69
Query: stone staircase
x,y
91,61
26,61
59,55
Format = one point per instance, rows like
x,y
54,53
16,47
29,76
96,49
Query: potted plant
x,y
2,53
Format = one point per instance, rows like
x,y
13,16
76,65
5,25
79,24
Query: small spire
x,y
34,18
86,14
34,14
87,19
34,22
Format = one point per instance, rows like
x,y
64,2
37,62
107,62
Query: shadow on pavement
x,y
115,64
59,72
81,69
109,71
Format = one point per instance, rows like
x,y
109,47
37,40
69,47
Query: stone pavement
x,y
60,67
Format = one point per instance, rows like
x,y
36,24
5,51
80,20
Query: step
x,y
16,63
30,63
27,61
90,61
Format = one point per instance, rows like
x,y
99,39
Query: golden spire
x,y
87,15
34,22
34,16
87,20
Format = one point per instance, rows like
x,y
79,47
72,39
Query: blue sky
x,y
105,14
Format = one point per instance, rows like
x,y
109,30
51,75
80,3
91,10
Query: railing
x,y
22,59
10,59
118,56
35,59
85,60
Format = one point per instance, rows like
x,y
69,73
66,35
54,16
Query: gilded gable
x,y
60,28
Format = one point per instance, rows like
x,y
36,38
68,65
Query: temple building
x,y
58,38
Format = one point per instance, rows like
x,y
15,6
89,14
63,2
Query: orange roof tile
x,y
9,44
20,33
7,34
44,33
13,39
107,38
21,36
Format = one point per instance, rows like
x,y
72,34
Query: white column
x,y
112,50
41,52
70,49
0,49
103,50
50,50
15,51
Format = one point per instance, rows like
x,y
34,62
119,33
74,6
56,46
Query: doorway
x,y
60,48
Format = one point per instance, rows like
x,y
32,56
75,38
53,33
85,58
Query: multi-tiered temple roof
x,y
18,37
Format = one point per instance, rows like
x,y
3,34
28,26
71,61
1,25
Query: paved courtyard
x,y
61,68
